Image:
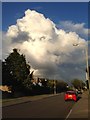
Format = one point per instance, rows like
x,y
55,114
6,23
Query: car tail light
x,y
74,97
66,96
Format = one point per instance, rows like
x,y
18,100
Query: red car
x,y
70,95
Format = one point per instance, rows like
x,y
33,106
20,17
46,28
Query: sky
x,y
45,0
74,11
45,33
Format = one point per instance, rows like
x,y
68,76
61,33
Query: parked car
x,y
71,95
79,92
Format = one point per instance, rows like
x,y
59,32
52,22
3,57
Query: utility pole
x,y
54,82
87,67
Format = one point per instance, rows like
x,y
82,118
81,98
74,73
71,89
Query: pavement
x,y
9,102
81,108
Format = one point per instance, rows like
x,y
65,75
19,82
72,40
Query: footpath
x,y
9,102
81,108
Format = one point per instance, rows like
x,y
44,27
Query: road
x,y
50,107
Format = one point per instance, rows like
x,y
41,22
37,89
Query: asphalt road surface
x,y
50,107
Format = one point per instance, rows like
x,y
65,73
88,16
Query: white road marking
x,y
68,114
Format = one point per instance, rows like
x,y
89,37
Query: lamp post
x,y
87,68
54,86
87,64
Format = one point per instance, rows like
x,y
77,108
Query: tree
x,y
6,76
50,85
61,86
78,84
16,71
0,72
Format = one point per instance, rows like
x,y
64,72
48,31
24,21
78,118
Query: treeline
x,y
17,76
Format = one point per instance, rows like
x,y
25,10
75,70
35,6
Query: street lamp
x,y
87,65
54,86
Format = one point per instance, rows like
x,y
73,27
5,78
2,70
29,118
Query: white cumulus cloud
x,y
79,28
49,50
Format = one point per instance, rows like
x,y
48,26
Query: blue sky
x,y
76,12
